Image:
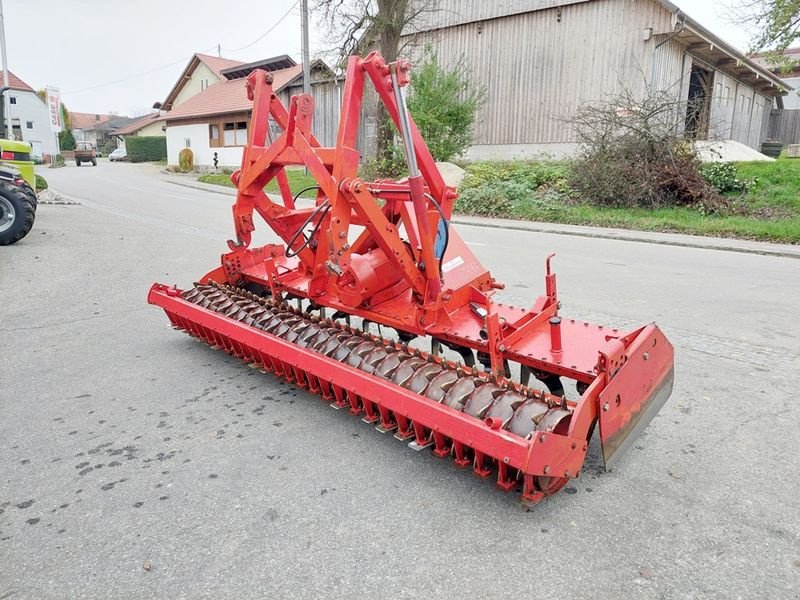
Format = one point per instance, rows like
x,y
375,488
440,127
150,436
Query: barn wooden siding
x,y
539,67
784,125
327,104
327,109
738,112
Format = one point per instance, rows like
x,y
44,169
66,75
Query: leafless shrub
x,y
634,153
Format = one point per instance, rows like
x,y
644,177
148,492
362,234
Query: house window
x,y
13,100
187,142
213,136
203,84
29,124
235,134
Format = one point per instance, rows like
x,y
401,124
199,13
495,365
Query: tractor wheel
x,y
94,162
31,194
17,214
77,163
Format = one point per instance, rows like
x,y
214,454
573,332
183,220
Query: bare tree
x,y
776,24
140,111
357,26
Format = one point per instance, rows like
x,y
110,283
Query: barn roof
x,y
720,54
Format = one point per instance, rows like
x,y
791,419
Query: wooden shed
x,y
541,59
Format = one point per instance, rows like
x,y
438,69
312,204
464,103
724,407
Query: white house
x,y
85,125
214,121
202,72
30,121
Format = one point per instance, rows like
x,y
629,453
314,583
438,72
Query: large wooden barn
x,y
541,59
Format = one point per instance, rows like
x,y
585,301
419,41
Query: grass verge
x,y
538,192
298,180
507,188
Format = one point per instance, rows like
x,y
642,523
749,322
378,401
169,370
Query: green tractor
x,y
18,198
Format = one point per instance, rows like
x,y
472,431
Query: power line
x,y
267,32
142,74
183,60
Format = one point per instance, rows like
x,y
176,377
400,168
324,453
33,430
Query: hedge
x,y
145,148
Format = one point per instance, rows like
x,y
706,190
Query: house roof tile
x,y
228,96
15,83
81,120
139,123
217,63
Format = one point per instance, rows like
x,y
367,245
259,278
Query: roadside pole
x,y
6,102
304,34
304,51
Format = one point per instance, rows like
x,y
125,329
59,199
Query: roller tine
x,y
504,481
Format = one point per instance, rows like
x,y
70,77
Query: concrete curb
x,y
629,235
198,185
622,235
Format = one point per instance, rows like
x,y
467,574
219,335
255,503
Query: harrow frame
x,y
407,268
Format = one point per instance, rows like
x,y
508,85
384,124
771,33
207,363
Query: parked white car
x,y
118,154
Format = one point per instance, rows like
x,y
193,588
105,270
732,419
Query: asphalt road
x,y
137,463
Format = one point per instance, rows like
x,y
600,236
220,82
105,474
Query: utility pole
x,y
6,103
304,29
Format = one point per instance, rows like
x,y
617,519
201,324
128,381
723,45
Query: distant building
x,y
542,59
208,110
784,120
83,125
150,125
29,118
202,72
96,128
790,73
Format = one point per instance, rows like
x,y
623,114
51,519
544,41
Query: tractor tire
x,y
94,162
17,213
77,163
29,191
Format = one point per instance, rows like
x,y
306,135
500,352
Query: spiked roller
x,y
384,256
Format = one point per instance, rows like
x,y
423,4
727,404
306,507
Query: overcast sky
x,y
123,55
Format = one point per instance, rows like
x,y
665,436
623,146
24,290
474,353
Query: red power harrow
x,y
384,252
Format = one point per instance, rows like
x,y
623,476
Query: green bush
x,y
146,148
57,161
528,173
109,147
503,189
66,141
186,160
391,166
487,200
724,178
41,183
443,102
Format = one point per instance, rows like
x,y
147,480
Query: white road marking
x,y
475,243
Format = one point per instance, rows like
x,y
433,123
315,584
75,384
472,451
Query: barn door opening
x,y
698,103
